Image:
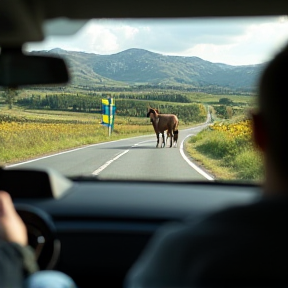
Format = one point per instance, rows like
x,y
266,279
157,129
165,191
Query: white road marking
x,y
137,144
100,169
73,150
192,164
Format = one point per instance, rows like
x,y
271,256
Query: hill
x,y
142,67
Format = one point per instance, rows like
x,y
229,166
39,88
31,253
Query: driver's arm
x,y
17,259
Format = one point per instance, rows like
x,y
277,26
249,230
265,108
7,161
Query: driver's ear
x,y
258,131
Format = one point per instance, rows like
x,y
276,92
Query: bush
x,y
216,144
231,145
249,165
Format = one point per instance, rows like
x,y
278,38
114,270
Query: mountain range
x,y
142,67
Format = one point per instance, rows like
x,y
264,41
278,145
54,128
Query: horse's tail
x,y
176,132
175,135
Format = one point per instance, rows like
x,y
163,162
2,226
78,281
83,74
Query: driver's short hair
x,y
272,104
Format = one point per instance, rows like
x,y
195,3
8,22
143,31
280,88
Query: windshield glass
x,y
148,100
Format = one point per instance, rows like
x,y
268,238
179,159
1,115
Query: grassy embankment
x,y
226,150
30,133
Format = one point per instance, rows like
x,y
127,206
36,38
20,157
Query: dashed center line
x,y
96,172
100,169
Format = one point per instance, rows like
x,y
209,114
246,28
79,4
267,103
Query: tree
x,y
225,101
9,95
229,112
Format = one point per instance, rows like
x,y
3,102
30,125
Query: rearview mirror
x,y
17,69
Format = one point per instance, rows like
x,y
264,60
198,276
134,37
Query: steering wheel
x,y
41,235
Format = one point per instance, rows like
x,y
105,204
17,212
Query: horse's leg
x,y
163,140
170,135
157,134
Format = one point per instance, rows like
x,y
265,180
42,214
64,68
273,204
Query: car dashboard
x,y
94,230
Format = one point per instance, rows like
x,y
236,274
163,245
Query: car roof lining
x,y
24,19
183,8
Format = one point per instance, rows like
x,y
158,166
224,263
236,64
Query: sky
x,y
234,41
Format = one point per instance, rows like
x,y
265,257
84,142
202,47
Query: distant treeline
x,y
168,97
211,89
92,101
193,112
216,90
63,102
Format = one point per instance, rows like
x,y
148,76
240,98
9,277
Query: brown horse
x,y
163,122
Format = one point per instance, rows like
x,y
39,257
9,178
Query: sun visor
x,y
20,22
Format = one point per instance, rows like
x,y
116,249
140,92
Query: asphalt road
x,y
133,158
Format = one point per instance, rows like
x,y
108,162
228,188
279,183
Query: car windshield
x,y
191,82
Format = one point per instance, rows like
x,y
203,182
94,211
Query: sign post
x,y
108,113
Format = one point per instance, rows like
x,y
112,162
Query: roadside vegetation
x,y
38,122
225,148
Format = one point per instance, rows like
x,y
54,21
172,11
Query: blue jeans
x,y
48,279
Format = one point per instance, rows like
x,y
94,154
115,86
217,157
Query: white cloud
x,y
235,41
98,38
130,32
256,43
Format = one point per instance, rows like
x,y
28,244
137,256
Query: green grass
x,y
226,157
247,164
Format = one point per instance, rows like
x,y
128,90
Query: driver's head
x,y
273,112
